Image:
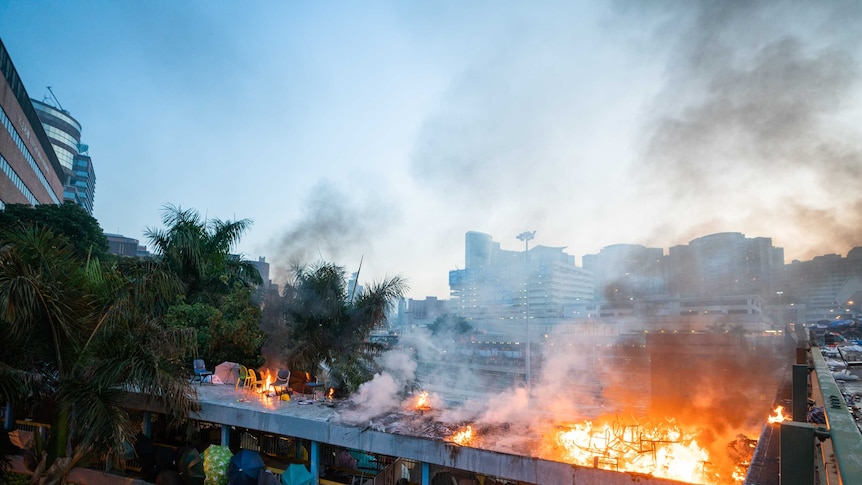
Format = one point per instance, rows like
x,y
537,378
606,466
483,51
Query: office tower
x,y
64,131
30,172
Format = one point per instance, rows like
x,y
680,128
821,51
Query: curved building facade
x,y
79,181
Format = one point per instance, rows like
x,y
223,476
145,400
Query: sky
x,y
381,132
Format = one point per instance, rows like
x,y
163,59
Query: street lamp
x,y
526,236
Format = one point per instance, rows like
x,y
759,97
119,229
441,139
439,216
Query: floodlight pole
x,y
526,237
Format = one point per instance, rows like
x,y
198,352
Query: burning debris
x,y
463,437
777,416
693,434
422,402
661,450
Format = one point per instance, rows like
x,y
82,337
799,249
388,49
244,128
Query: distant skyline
x,y
384,131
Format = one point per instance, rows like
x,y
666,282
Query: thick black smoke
x,y
750,130
336,226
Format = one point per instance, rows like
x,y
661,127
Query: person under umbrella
x,y
244,468
216,460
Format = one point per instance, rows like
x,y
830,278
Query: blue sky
x,y
386,130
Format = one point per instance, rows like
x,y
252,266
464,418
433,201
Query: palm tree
x,y
198,250
80,336
329,328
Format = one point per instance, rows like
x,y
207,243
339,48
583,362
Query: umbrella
x,y
228,372
191,467
245,467
297,474
216,459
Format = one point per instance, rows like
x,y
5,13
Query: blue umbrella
x,y
244,468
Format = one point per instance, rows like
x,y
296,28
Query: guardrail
x,y
842,432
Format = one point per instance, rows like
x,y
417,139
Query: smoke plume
x,y
334,225
750,129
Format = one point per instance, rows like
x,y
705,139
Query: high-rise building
x,y
30,172
499,284
64,131
627,271
725,264
829,286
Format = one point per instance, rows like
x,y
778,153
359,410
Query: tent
x,y
228,372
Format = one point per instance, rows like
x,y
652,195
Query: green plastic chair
x,y
243,377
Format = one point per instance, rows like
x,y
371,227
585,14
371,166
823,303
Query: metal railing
x,y
842,431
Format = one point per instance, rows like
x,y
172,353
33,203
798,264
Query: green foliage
x,y
198,251
90,332
327,328
69,219
230,332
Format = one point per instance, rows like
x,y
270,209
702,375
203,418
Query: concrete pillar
x,y
426,474
8,418
800,392
225,435
797,453
314,459
147,424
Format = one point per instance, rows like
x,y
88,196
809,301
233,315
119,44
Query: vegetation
x,y
218,285
199,252
230,332
80,333
326,327
82,230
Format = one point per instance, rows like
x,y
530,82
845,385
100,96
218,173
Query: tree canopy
x,y
80,334
199,252
82,230
328,328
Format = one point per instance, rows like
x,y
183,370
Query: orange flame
x,y
778,415
267,384
331,393
422,402
663,451
463,436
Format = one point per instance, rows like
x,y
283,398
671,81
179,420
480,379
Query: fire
x,y
463,437
778,415
331,393
266,388
663,451
422,402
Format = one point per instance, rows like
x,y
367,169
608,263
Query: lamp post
x,y
526,237
780,308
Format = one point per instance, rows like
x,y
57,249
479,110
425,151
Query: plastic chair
x,y
280,384
243,376
200,372
311,386
253,381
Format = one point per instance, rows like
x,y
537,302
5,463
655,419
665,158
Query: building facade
x,y
829,286
627,271
30,172
497,284
725,264
64,131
